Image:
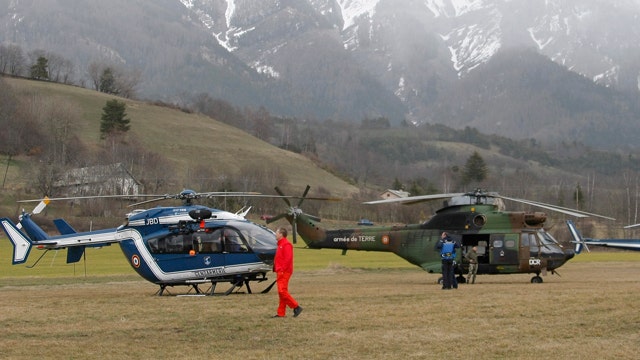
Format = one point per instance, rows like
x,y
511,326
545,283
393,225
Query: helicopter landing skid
x,y
236,284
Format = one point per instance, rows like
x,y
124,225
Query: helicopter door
x,y
186,251
236,251
504,249
528,250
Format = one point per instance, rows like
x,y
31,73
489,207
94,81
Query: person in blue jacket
x,y
447,249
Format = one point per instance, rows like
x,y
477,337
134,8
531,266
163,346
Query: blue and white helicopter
x,y
188,245
621,244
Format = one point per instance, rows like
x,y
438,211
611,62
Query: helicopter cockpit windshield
x,y
546,238
548,244
259,238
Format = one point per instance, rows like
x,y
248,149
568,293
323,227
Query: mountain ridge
x,y
347,59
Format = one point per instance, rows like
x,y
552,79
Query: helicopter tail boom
x,y
21,243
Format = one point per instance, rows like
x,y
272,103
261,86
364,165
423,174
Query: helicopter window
x,y
172,244
176,244
546,238
181,244
209,242
482,248
534,248
524,240
511,241
497,240
153,245
258,237
233,241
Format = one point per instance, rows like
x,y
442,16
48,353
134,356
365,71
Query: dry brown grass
x,y
592,311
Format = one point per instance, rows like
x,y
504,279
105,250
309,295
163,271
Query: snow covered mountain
x,y
408,45
415,60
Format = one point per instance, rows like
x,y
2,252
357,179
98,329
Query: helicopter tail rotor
x,y
36,210
577,238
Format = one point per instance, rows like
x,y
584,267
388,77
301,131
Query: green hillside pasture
x,y
189,140
349,313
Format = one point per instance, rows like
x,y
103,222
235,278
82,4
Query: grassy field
x,y
363,305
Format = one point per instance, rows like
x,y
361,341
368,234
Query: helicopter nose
x,y
569,254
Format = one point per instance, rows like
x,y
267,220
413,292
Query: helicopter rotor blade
x,y
479,194
276,218
560,209
304,194
84,197
36,210
413,199
41,205
284,197
150,201
212,194
295,228
187,194
294,224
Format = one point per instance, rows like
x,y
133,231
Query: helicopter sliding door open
x,y
481,241
496,252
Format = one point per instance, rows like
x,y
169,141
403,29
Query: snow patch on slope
x,y
354,9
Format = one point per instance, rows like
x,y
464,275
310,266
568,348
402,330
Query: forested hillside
x,y
212,145
51,128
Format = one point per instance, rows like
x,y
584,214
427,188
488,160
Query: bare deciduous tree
x,y
60,69
12,60
61,148
125,81
95,70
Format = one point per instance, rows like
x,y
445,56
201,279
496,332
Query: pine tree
x,y
475,169
578,197
114,118
397,185
40,70
108,82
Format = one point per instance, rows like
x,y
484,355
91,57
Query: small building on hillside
x,y
112,179
393,194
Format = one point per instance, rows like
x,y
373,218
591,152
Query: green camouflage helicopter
x,y
508,242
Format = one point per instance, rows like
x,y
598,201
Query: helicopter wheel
x,y
461,279
440,280
536,280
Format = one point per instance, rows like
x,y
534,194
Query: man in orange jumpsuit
x,y
283,267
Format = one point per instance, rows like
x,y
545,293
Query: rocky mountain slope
x,y
405,60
